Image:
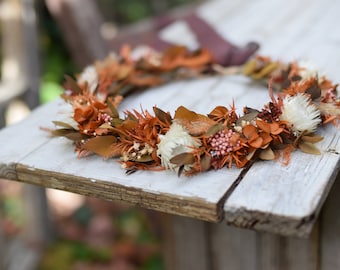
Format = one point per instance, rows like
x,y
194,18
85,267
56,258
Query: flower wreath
x,y
189,142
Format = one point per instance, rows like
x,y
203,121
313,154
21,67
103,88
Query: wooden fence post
x,y
330,230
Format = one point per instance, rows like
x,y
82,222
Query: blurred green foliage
x,y
56,60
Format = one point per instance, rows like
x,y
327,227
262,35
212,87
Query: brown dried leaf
x,y
309,148
63,124
105,126
145,158
183,159
214,129
143,80
199,59
218,113
101,145
314,90
263,125
266,70
71,134
113,109
123,72
250,132
116,122
267,154
162,116
251,154
256,142
196,124
205,163
311,138
72,84
247,118
249,67
184,113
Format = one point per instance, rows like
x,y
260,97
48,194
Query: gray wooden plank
x,y
27,135
277,252
232,248
242,249
185,243
286,199
330,230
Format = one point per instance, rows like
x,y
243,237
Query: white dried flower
x,y
66,116
176,141
146,52
308,70
90,76
329,109
301,113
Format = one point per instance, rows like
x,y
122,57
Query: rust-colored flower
x,y
89,116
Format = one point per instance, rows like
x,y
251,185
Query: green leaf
x,y
101,145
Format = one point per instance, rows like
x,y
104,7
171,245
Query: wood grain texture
x,y
242,249
185,243
193,244
330,230
28,137
232,247
274,197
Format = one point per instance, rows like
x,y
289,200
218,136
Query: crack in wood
x,y
332,151
220,204
306,220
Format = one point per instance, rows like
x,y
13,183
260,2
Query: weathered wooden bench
x,y
281,204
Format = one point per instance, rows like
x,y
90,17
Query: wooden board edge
x,y
8,171
164,202
294,226
265,222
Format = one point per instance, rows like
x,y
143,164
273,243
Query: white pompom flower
x,y
301,113
176,141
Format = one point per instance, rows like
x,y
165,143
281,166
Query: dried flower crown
x,y
189,142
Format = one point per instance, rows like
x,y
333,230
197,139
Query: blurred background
x,y
40,42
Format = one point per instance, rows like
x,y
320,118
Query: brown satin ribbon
x,y
225,52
